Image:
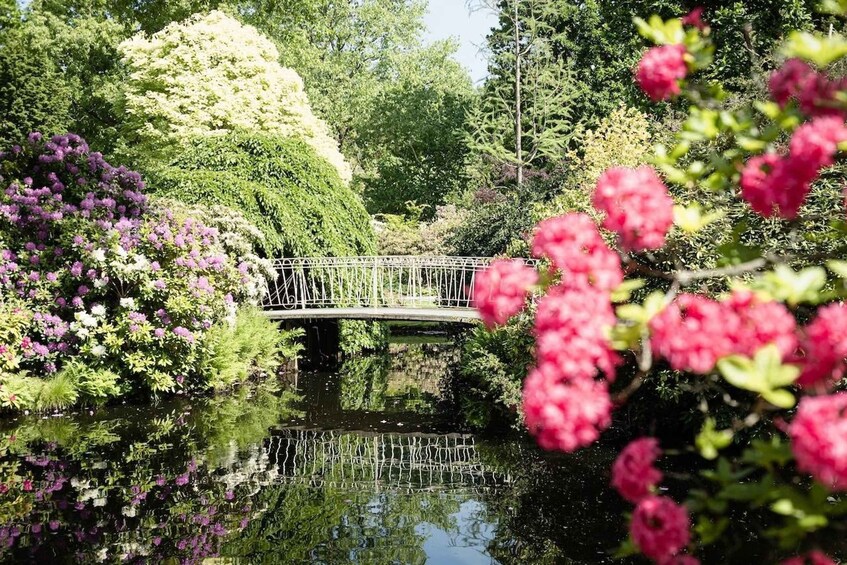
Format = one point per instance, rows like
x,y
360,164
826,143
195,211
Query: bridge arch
x,y
421,288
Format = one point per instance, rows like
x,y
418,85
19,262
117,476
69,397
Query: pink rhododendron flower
x,y
692,333
814,557
814,91
694,18
789,80
814,144
565,415
501,290
824,347
660,71
633,474
761,322
571,328
574,245
772,184
660,527
817,439
636,205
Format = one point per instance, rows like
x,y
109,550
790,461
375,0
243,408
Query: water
x,y
365,467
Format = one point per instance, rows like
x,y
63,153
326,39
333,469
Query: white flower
x,y
99,283
86,319
120,251
128,511
99,502
82,333
98,351
99,255
98,310
128,303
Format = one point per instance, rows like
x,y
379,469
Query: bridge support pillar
x,y
322,344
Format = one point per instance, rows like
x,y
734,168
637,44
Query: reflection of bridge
x,y
390,461
392,288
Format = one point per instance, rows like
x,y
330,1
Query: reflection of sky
x,y
469,544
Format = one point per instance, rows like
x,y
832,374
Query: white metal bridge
x,y
387,287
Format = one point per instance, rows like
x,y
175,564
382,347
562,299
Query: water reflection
x,y
363,469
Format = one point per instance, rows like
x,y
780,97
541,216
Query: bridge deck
x,y
467,315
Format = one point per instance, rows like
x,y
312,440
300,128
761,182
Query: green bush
x,y
251,347
281,185
491,371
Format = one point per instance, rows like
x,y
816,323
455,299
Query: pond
x,y
364,465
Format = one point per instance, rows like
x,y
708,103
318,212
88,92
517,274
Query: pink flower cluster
x,y
660,528
660,71
633,475
564,406
776,184
694,331
814,557
571,333
636,206
814,92
565,415
501,290
817,439
824,347
574,245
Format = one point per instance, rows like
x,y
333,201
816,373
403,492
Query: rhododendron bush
x,y
771,345
92,271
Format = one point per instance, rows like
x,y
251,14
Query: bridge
x,y
414,288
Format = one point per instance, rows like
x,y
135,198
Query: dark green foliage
x,y
500,222
281,185
34,95
58,70
602,46
492,369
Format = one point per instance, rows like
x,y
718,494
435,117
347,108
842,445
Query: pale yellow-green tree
x,y
211,75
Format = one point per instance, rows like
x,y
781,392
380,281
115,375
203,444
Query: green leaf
x,y
838,268
691,219
710,440
624,291
820,50
661,32
764,374
709,530
836,7
786,285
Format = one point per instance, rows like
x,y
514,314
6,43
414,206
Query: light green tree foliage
x,y
342,49
412,136
622,139
524,116
212,75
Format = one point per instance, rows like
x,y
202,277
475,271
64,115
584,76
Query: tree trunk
x,y
518,126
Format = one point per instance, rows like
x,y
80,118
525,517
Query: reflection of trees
x,y
169,485
406,377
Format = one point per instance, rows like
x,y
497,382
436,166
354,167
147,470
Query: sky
x,y
452,18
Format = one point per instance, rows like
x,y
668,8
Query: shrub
x,y
279,184
774,343
210,75
253,347
94,272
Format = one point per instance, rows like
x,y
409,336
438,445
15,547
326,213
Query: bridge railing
x,y
374,282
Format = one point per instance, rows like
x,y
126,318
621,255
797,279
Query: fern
x,y
254,347
57,393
